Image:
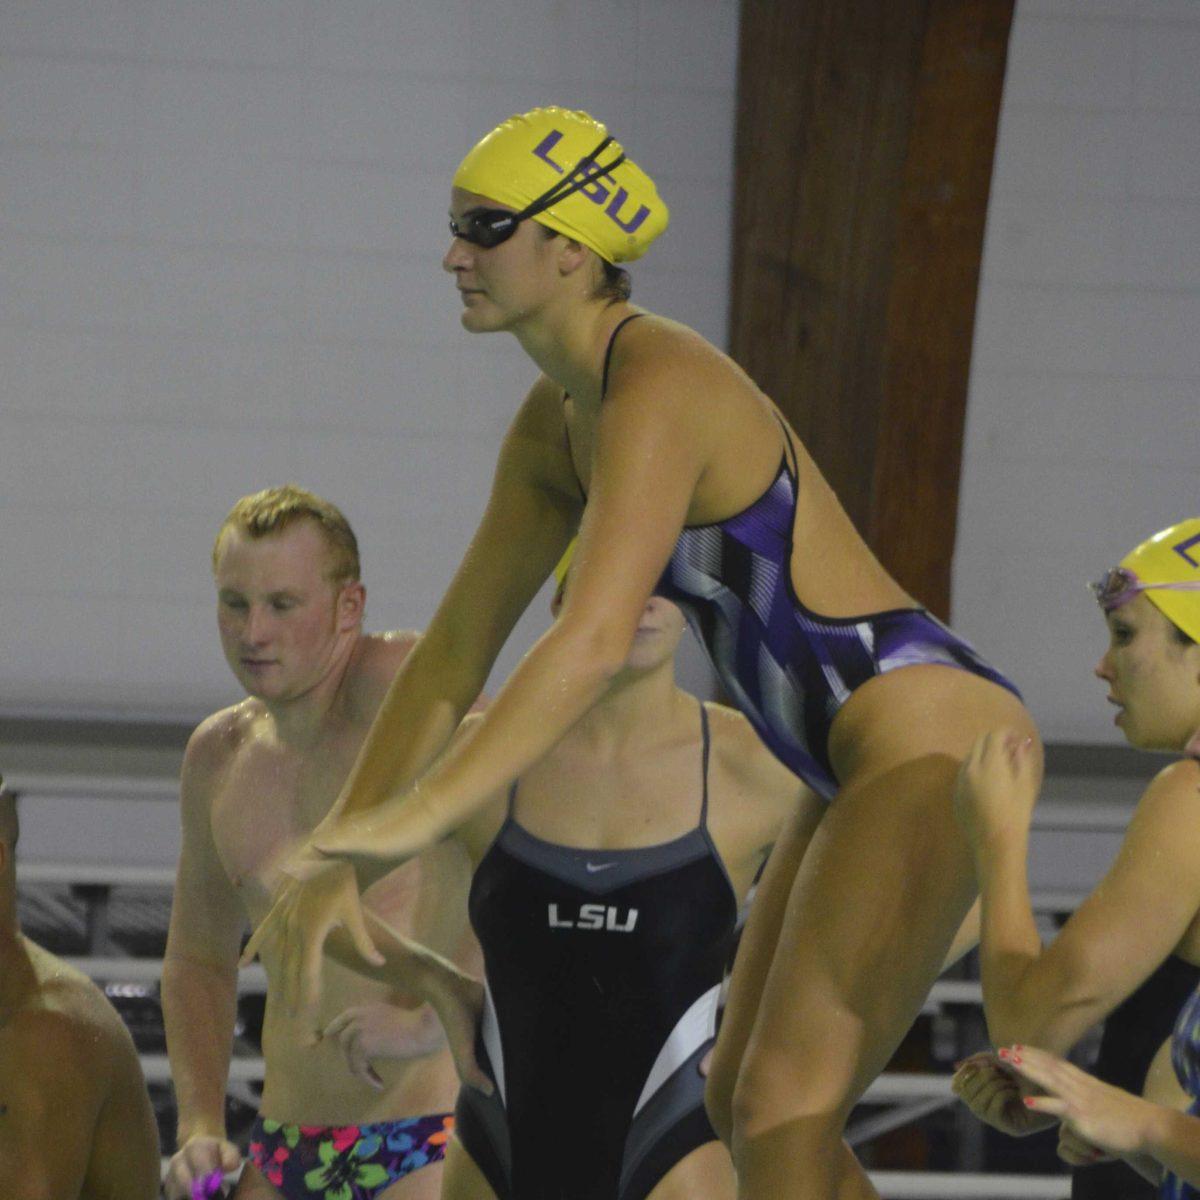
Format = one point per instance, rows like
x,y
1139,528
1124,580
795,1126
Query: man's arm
x,y
199,983
124,1162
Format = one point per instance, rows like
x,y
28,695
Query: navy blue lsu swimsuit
x,y
603,972
788,669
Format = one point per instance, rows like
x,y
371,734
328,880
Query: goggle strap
x,y
577,178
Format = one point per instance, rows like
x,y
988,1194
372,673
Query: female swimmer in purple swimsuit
x,y
681,477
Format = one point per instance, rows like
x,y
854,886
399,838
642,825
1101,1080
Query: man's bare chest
x,y
269,801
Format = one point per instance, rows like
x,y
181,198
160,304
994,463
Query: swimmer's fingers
x,y
341,917
346,1030
459,1006
196,1170
1106,1116
356,1057
263,935
1077,1151
994,1096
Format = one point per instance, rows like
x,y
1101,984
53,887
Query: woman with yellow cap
x,y
1146,908
682,479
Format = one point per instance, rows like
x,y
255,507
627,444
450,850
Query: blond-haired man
x,y
75,1119
257,778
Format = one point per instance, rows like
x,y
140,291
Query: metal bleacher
x,y
96,868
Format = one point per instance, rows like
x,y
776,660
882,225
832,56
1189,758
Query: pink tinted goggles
x,y
1119,585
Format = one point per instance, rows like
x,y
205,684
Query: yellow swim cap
x,y
617,212
1167,566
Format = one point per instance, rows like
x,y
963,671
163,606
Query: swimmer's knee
x,y
780,1088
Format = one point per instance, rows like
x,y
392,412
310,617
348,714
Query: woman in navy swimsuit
x,y
1146,907
681,478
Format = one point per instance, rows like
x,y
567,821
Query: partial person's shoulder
x,y
217,739
1168,814
745,756
380,656
656,350
70,1015
1176,783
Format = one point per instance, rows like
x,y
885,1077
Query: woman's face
x,y
506,284
1153,678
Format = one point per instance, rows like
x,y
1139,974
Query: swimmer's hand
x,y
995,1096
378,1032
1096,1113
997,788
197,1168
1077,1152
458,1001
365,1032
317,899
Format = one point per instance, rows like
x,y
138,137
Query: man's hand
x,y
198,1166
994,1095
382,1031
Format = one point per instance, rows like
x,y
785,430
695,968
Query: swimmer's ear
x,y
572,255
351,603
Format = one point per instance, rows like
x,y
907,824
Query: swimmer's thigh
x,y
754,955
461,1178
705,1174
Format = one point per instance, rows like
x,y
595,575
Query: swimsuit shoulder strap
x,y
612,340
788,449
705,741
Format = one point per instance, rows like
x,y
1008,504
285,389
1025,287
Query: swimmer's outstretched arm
x,y
531,515
1050,996
650,455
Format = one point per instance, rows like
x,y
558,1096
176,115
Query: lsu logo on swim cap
x,y
1172,556
617,213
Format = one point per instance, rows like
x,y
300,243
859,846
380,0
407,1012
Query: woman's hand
x,y
1104,1116
994,1095
365,1032
1077,1151
997,787
316,898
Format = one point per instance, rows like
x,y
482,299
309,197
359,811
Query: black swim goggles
x,y
488,227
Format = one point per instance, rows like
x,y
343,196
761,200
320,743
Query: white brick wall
x,y
220,226
1084,416
220,231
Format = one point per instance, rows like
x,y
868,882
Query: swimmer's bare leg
x,y
754,956
462,1179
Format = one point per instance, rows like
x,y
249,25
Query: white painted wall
x,y
220,230
1083,432
221,223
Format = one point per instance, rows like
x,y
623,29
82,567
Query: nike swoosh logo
x,y
594,867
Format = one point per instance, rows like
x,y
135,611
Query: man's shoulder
x,y
386,652
219,735
68,1013
379,657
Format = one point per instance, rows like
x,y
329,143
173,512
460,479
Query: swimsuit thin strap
x,y
704,766
788,449
612,340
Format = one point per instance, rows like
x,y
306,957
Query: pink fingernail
x,y
1003,1053
1028,1101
